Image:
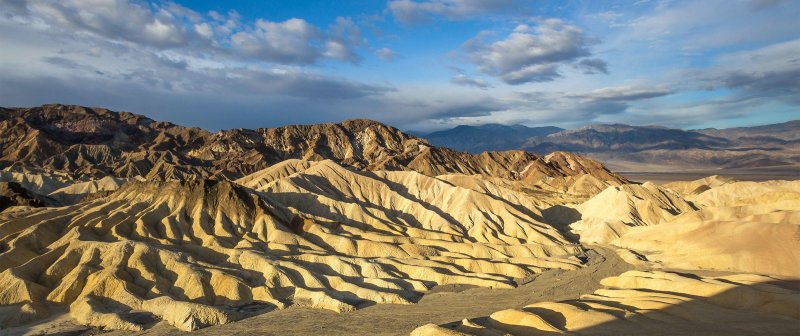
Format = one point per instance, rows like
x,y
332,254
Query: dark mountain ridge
x,y
95,142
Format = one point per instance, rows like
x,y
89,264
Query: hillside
x,y
113,221
91,143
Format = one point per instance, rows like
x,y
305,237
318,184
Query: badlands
x,y
115,223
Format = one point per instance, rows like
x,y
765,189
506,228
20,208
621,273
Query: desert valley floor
x,y
117,224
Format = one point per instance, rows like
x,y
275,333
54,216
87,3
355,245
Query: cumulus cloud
x,y
532,53
218,70
220,66
173,27
115,19
410,11
292,41
345,36
176,86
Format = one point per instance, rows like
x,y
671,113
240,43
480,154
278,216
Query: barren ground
x,y
441,305
742,174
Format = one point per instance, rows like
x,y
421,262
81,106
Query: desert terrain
x,y
399,167
113,223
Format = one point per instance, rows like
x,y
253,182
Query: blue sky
x,y
415,64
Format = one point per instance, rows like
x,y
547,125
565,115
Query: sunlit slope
x,y
193,252
742,227
611,213
721,225
651,303
408,204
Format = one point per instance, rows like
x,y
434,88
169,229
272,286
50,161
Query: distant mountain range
x,y
634,147
489,137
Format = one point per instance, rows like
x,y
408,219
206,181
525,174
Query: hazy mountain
x,y
767,145
618,137
489,137
779,133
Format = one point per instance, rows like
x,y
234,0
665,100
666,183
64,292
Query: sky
x,y
419,65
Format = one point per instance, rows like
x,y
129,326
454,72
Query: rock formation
x,y
301,232
94,142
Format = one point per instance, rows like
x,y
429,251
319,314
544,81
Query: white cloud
x,y
199,68
204,30
173,27
292,41
192,84
114,19
701,25
532,54
344,37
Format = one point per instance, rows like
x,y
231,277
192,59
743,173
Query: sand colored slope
x,y
611,213
690,188
39,183
60,190
516,192
75,192
652,303
201,253
742,227
775,194
763,244
411,204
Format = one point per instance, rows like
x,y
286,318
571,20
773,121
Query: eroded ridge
x,y
200,253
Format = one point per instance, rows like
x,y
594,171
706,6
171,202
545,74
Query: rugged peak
x,y
223,202
362,123
97,142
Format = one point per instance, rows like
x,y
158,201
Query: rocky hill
x,y
87,142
